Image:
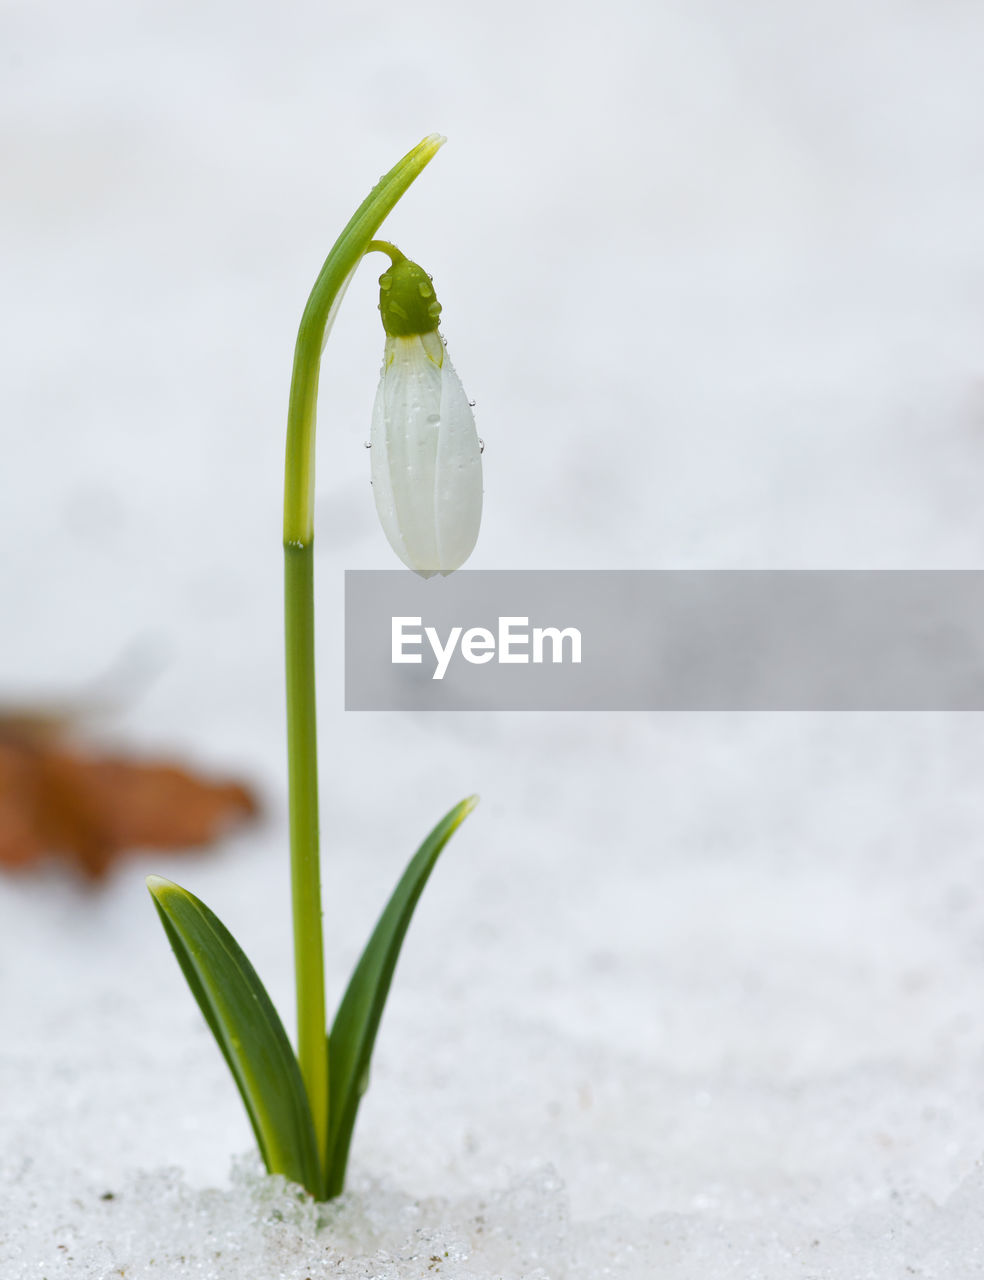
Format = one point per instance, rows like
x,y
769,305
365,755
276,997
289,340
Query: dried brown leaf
x,y
60,798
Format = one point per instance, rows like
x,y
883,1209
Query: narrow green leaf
x,y
247,1029
353,1033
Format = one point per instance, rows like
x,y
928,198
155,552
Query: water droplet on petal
x,y
481,445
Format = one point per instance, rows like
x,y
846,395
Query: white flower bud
x,y
426,456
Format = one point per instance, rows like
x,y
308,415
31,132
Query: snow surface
x,y
688,996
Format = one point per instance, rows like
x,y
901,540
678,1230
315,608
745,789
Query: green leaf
x,y
247,1029
353,1033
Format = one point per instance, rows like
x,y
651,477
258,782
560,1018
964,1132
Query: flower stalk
x,y
316,320
302,746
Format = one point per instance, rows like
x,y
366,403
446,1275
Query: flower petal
x,y
426,458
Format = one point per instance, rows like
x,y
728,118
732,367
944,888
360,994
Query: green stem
x,y
326,295
384,246
305,872
302,753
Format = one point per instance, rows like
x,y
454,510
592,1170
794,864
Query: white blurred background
x,y
713,274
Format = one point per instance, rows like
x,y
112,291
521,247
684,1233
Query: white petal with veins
x,y
426,457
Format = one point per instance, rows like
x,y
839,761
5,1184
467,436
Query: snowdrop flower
x,y
425,451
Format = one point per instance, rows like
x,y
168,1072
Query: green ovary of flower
x,y
407,301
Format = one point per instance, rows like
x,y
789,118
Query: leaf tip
x,y
158,886
427,148
465,808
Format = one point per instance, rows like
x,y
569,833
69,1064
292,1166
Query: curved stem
x,y
384,246
315,323
302,756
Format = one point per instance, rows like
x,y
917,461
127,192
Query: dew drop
x,y
481,445
472,404
367,444
424,289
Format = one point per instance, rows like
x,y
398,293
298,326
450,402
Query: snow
x,y
687,996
